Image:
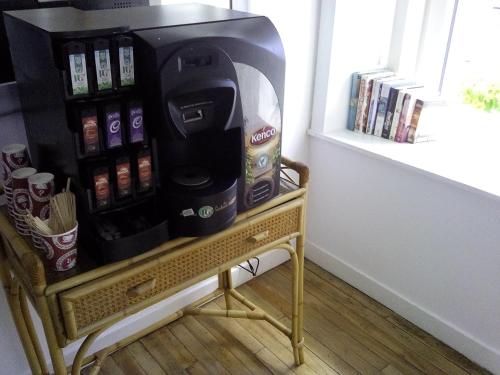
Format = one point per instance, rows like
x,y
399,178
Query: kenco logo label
x,y
263,135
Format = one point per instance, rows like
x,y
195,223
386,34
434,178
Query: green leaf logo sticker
x,y
205,212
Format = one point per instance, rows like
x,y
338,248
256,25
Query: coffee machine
x,y
217,115
204,86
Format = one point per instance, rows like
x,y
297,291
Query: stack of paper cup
x,y
14,156
21,198
41,188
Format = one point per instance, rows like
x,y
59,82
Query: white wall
x,y
354,35
297,24
426,249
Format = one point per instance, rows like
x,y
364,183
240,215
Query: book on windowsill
x,y
425,119
374,101
391,104
405,117
353,102
365,91
409,100
398,111
382,105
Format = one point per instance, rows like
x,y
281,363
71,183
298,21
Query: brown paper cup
x,y
20,192
14,156
21,199
61,249
41,188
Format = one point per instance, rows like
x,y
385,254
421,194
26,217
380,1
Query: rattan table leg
x,y
12,289
300,249
80,355
5,276
55,351
31,331
22,330
101,357
295,307
237,296
300,329
227,284
296,336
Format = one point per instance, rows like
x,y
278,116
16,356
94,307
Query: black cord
x,y
251,268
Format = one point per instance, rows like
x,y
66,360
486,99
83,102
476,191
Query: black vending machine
x,y
168,119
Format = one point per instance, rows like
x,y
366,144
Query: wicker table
x,y
90,298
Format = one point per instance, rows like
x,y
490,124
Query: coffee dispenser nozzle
x,y
202,106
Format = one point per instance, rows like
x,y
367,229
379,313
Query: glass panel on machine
x,y
262,124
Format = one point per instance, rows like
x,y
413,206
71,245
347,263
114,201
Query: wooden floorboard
x,y
346,332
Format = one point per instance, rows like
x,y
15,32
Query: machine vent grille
x,y
122,4
261,191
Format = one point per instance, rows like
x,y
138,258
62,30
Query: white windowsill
x,y
467,159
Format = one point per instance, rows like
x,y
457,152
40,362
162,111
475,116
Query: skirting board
x,y
469,346
162,309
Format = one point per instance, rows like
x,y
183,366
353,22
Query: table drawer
x,y
95,304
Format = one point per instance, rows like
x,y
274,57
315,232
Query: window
x,y
472,72
448,45
458,56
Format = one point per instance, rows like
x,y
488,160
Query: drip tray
x,y
191,177
127,233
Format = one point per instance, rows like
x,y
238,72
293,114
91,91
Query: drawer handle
x,y
259,237
137,290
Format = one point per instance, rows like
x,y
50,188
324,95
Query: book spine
x,y
366,105
353,103
381,110
397,115
414,121
361,98
407,125
391,104
403,118
372,113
